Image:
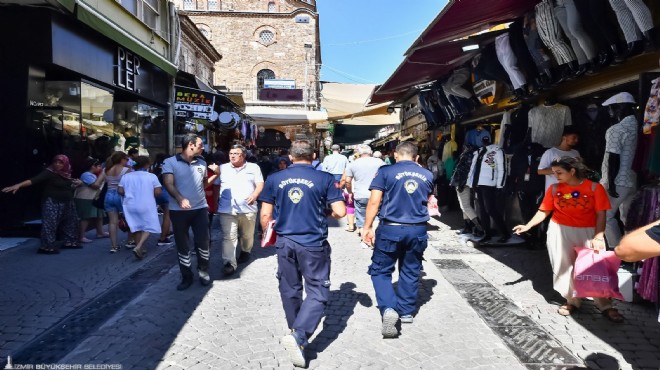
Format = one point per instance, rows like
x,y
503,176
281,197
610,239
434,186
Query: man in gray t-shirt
x,y
185,176
359,175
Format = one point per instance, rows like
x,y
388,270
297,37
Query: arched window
x,y
272,8
266,37
264,74
214,4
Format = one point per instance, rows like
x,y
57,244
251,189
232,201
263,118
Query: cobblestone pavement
x,y
479,309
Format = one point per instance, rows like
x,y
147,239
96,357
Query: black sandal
x,y
72,246
613,315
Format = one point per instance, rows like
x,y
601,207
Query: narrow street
x,y
479,309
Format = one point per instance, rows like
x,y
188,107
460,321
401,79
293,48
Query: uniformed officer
x,y
404,189
299,194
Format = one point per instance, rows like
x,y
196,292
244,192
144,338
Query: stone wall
x,y
193,60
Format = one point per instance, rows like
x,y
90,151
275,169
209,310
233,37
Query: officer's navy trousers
x,y
295,262
405,244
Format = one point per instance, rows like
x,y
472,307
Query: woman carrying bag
x,y
58,212
578,209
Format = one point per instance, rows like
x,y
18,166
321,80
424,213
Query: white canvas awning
x,y
268,116
347,103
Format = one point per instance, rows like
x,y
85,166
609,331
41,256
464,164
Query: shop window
x,y
146,10
140,125
272,8
267,37
214,4
188,4
264,74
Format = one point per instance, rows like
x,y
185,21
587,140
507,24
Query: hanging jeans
x,y
569,19
535,46
508,60
464,202
551,33
634,16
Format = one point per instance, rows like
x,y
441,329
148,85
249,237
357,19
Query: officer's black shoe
x,y
228,269
485,238
243,257
504,238
185,284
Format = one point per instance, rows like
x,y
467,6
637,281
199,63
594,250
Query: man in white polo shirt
x,y
240,184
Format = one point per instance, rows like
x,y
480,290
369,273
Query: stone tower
x,y
263,39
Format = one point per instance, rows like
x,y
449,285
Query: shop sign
x,y
127,69
279,84
199,103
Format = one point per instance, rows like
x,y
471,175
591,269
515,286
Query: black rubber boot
x,y
649,41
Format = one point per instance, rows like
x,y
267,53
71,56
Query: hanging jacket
x,y
488,167
462,169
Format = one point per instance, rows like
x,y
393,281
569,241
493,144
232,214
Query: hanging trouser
x,y
465,204
182,222
535,46
551,34
455,82
595,16
529,202
633,16
508,60
487,197
622,205
569,19
519,46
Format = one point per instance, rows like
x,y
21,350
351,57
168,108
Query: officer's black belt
x,y
390,223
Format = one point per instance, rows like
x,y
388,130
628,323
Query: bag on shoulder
x,y
99,200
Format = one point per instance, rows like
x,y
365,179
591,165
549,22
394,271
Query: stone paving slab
x,y
238,322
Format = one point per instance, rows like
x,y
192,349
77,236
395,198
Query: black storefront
x,y
65,88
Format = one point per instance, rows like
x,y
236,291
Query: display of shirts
x,y
575,206
652,111
551,155
514,134
406,187
236,185
547,123
488,167
362,171
448,149
300,194
188,181
621,139
475,137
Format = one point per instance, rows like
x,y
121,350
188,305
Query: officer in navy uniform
x,y
404,189
300,193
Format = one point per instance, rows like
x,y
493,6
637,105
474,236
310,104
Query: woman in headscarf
x,y
58,211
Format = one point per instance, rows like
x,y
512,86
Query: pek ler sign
x,y
127,69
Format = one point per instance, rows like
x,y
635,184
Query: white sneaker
x,y
390,318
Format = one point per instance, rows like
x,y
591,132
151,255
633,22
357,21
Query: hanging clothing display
x,y
475,137
448,149
591,124
509,61
547,123
514,133
652,110
486,67
569,20
455,82
488,167
551,34
534,44
596,15
633,16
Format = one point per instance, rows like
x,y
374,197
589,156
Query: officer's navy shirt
x,y
406,188
300,194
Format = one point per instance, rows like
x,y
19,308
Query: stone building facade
x,y
262,39
197,55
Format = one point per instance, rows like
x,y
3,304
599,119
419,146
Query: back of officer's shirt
x,y
299,194
406,187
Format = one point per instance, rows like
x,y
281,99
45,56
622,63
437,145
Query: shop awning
x,y
356,134
267,116
107,27
347,102
436,52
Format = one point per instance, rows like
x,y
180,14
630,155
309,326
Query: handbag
x,y
270,236
99,200
433,206
595,274
122,224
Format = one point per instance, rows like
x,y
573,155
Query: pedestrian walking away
x,y
58,211
399,196
115,169
578,209
300,194
239,185
185,177
335,163
139,190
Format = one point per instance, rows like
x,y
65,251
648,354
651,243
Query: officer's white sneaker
x,y
390,318
407,319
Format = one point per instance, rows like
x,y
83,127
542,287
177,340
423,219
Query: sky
x,y
363,41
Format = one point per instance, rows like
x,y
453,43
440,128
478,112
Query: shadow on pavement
x,y
341,307
425,291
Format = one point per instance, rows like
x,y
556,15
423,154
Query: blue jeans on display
x,y
295,263
398,243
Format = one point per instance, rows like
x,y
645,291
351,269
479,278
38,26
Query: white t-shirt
x,y
551,155
236,185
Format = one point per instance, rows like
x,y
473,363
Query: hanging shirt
x,y
547,124
652,111
475,137
621,139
